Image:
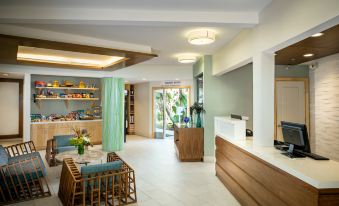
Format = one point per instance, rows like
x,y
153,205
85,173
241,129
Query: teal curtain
x,y
112,114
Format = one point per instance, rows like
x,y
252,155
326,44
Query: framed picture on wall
x,y
200,88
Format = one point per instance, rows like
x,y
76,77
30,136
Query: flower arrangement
x,y
80,140
197,108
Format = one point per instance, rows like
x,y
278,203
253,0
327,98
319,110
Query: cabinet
x,y
189,143
130,109
43,131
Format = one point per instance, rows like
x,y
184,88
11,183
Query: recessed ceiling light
x,y
34,54
317,34
5,74
176,79
201,37
144,79
187,59
308,55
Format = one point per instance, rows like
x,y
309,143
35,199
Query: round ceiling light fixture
x,y
187,59
201,37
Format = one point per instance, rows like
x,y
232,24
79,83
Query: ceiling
x,y
190,5
322,46
166,41
22,50
161,25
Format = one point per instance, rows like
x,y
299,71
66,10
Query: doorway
x,y
169,107
11,108
291,103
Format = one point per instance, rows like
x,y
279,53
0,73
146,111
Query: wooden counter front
x,y
254,181
41,132
189,143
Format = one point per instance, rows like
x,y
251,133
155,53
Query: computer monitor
x,y
235,116
296,134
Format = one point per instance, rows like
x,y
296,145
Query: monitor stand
x,y
291,153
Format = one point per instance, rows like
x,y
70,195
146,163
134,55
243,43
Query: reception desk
x,y
189,143
262,176
42,131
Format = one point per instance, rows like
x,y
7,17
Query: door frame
x,y
307,105
168,87
20,130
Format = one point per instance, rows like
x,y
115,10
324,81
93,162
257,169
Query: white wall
x,y
282,23
142,109
9,108
324,107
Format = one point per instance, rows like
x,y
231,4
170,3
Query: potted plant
x,y
81,139
198,108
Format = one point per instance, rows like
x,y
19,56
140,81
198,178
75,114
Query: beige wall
x,y
324,107
142,109
9,108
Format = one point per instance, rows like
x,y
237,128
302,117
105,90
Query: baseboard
x,y
209,159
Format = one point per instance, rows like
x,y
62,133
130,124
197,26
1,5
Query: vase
x,y
81,149
198,124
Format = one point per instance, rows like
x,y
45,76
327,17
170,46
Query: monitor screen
x,y
293,135
234,116
301,142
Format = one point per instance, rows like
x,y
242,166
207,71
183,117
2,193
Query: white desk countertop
x,y
320,174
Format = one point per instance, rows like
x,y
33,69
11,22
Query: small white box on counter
x,y
230,128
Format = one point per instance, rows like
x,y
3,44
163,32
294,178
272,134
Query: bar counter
x,y
42,131
262,176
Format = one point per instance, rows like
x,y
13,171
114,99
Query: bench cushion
x,y
24,172
62,140
93,170
37,162
3,156
65,149
99,168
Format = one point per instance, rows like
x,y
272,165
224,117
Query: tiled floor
x,y
161,179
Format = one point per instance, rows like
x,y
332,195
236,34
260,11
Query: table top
x,y
91,156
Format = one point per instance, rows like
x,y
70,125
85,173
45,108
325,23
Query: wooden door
x,y
290,103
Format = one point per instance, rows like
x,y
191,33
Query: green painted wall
x,y
229,93
232,93
59,107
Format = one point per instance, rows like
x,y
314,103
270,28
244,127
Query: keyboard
x,y
313,156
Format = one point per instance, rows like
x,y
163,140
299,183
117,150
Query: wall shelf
x,y
76,99
66,100
68,88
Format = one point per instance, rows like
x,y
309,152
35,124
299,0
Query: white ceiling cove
x,y
158,24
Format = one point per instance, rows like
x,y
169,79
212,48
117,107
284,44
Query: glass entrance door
x,y
170,107
158,113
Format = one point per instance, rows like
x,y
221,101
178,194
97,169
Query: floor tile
x,y
161,179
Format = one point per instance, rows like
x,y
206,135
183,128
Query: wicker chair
x,y
22,177
59,143
110,187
